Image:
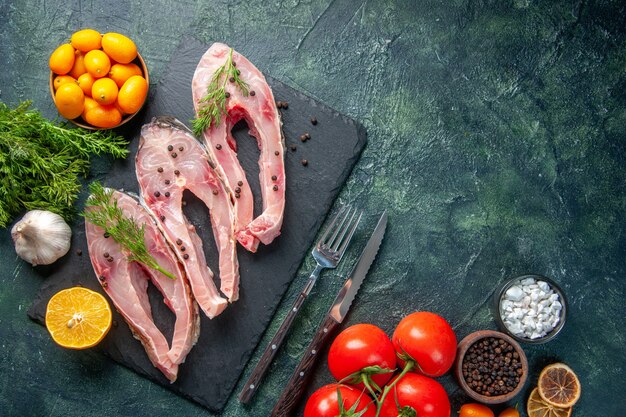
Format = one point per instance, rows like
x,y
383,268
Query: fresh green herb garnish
x,y
102,211
214,103
41,161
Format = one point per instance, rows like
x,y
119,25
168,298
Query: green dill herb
x,y
102,211
214,102
41,162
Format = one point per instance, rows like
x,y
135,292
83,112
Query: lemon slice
x,y
559,386
537,407
78,318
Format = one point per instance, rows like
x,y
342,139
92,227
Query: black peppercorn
x,y
170,148
252,93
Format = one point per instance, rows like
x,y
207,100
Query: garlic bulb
x,y
41,237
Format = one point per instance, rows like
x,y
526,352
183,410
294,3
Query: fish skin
x,y
263,119
197,176
127,284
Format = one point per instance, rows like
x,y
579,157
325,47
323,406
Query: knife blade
x,y
335,316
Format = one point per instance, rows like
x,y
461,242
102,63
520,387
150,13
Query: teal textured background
x,y
496,141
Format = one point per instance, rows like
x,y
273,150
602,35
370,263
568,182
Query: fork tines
x,y
342,227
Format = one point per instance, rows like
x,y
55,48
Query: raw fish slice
x,y
259,111
169,161
126,283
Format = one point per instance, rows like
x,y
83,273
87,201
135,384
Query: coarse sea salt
x,y
530,309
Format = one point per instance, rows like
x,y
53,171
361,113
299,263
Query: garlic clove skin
x,y
41,237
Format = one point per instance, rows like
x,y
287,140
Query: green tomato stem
x,y
407,367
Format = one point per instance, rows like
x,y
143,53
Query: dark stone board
x,y
214,365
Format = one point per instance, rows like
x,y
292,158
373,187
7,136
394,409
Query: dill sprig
x,y
41,162
102,211
214,102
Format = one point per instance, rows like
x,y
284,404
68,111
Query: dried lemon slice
x,y
558,385
537,407
78,318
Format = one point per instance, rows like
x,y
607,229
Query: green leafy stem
x,y
102,211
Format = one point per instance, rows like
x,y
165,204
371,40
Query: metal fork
x,y
327,253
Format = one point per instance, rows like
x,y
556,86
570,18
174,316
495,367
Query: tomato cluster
x,y
382,377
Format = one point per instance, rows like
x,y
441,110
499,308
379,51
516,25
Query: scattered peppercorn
x,y
234,64
101,277
180,149
167,194
174,155
167,182
227,94
276,153
237,189
313,120
104,285
237,195
215,192
274,177
157,194
106,235
182,248
185,256
279,104
176,172
240,183
106,254
231,79
179,242
285,105
170,148
110,259
162,218
252,93
275,188
293,148
160,169
302,138
79,252
305,162
307,135
218,146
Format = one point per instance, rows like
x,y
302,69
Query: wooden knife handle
x,y
252,384
296,385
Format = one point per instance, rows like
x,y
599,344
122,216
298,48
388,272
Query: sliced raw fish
x,y
169,161
258,109
126,284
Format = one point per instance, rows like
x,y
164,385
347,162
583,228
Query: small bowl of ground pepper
x,y
491,367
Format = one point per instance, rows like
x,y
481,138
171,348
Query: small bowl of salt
x,y
531,308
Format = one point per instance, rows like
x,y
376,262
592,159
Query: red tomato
x,y
324,402
425,396
360,346
427,339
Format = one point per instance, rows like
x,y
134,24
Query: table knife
x,y
333,319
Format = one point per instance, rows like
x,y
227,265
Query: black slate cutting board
x,y
226,343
